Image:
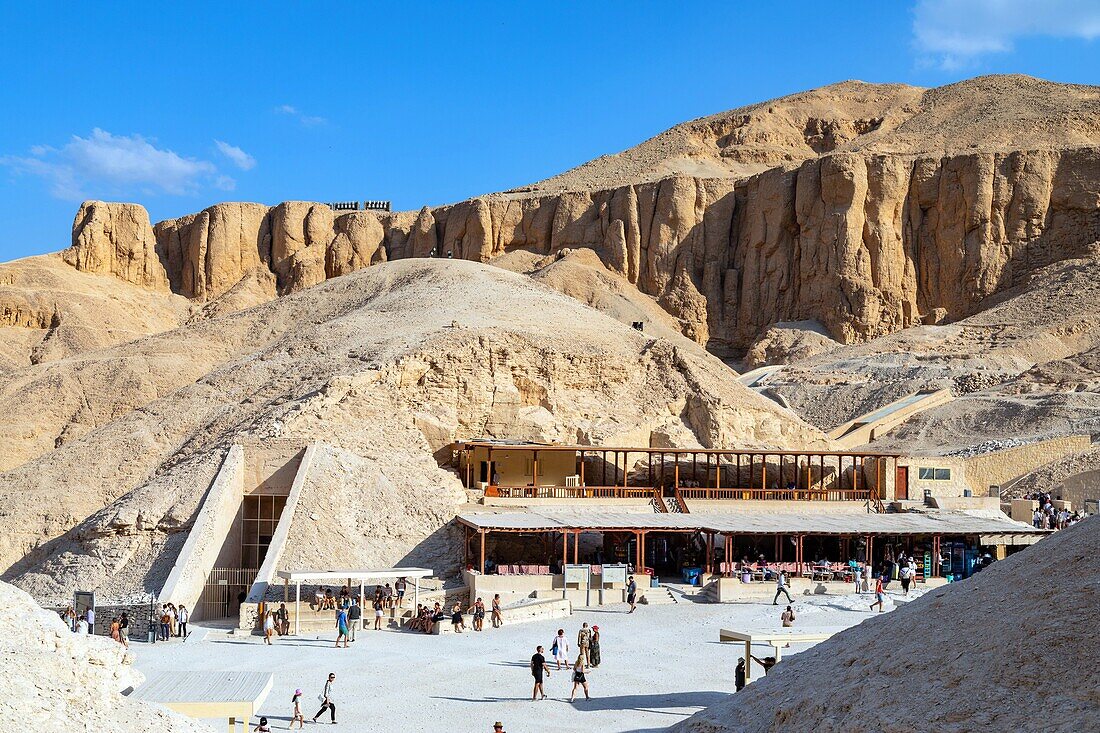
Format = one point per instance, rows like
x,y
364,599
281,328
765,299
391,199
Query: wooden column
x,y
535,471
637,551
643,550
483,533
564,552
582,468
626,457
576,545
489,468
764,474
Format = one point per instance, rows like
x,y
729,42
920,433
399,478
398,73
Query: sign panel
x,y
577,574
614,574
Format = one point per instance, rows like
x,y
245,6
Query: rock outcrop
x,y
866,221
116,239
57,680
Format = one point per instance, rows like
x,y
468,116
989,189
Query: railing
x,y
682,494
777,494
571,492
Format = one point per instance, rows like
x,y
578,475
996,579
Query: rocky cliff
x,y
866,224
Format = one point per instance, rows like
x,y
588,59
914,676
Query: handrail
x,y
659,505
681,503
682,494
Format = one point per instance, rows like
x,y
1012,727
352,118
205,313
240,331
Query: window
x,y
926,473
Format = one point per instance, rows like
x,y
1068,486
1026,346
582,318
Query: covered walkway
x,y
297,577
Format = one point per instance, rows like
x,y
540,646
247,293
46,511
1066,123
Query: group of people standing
x,y
1047,517
588,657
173,621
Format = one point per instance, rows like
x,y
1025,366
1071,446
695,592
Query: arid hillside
x,y
386,367
997,652
867,208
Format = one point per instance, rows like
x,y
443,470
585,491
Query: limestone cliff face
x,y
116,239
866,244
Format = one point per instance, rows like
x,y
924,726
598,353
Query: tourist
x,y
342,627
355,616
330,600
69,617
165,622
905,574
399,588
263,727
269,627
296,716
594,649
114,630
318,603
89,616
579,679
739,675
124,629
538,668
584,640
498,727
631,593
378,611
767,662
559,649
880,595
781,587
328,702
498,617
173,619
282,620
787,618
387,595
184,617
82,626
458,623
857,574
478,610
345,597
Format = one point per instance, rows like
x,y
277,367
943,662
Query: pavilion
x,y
297,577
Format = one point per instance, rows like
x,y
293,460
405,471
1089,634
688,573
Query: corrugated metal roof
x,y
753,522
180,687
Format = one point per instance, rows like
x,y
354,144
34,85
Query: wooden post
x,y
576,545
748,661
626,458
564,553
676,471
286,590
483,533
643,550
535,471
489,469
638,551
297,605
582,468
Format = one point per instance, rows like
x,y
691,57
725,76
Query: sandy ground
x,y
659,666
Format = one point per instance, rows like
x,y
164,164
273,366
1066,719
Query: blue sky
x,y
428,103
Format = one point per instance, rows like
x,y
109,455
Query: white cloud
x,y
238,157
302,117
955,32
103,163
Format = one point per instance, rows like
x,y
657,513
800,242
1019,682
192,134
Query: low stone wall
x,y
732,590
204,541
1000,467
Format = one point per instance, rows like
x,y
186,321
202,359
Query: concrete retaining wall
x,y
732,590
1000,467
204,542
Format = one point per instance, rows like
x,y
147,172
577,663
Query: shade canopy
x,y
302,576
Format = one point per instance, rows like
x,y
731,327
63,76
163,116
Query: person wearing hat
x,y
263,727
498,727
594,648
297,715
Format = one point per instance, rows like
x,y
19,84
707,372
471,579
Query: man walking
x,y
631,593
584,640
181,627
538,669
355,613
89,616
327,701
781,587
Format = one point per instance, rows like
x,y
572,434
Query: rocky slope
x,y
56,680
1009,652
875,208
386,367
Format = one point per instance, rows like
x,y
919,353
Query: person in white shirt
x,y
89,616
183,617
781,587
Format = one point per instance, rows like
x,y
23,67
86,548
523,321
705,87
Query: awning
x,y
301,576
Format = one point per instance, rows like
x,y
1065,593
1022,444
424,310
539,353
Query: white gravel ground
x,y
659,665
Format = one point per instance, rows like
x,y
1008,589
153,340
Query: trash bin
x,y
691,575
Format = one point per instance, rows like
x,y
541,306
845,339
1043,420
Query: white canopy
x,y
300,576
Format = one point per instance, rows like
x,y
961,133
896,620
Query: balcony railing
x,y
648,492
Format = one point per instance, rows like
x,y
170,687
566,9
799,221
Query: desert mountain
x,y
885,675
867,208
385,368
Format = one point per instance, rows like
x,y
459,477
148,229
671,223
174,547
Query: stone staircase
x,y
659,596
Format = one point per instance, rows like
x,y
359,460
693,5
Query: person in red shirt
x,y
880,595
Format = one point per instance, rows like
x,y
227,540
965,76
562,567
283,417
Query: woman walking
x,y
498,617
297,716
560,649
115,630
478,610
594,648
269,627
579,679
